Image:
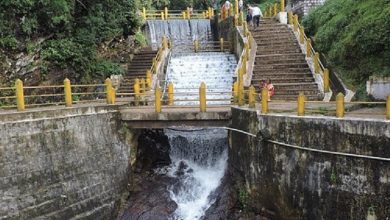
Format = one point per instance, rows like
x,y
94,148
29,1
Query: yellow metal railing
x,y
177,14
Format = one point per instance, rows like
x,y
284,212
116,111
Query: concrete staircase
x,y
141,62
280,59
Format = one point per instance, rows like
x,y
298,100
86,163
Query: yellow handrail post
x,y
137,92
144,13
113,95
235,92
264,101
308,48
240,93
236,22
301,35
252,97
301,104
317,63
108,84
184,15
162,15
340,105
326,80
243,65
68,93
166,13
295,22
221,44
246,45
202,97
170,93
282,5
275,9
236,7
241,20
164,42
290,18
388,107
19,95
196,46
148,79
143,85
230,12
188,13
245,27
157,96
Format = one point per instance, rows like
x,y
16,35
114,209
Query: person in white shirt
x,y
256,14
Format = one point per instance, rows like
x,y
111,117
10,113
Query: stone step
x,y
281,66
278,47
284,80
265,62
276,39
280,56
277,51
258,76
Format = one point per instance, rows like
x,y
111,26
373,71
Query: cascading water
x,y
180,32
199,160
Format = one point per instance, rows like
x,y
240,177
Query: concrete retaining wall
x,y
299,184
62,164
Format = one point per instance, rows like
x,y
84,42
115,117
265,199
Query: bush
x,y
140,39
354,35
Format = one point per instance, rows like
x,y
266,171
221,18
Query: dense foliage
x,y
73,30
354,35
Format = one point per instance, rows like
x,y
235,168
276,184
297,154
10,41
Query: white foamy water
x,y
199,160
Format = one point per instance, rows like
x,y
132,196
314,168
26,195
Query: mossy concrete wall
x,y
299,184
62,164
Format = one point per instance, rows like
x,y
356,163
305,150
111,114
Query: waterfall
x,y
180,32
199,160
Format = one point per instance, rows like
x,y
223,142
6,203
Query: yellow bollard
x,y
19,95
340,105
388,107
295,22
68,93
317,63
221,44
166,13
202,97
290,18
113,95
148,79
282,5
108,84
301,104
143,85
264,101
162,15
170,93
157,96
184,15
235,92
137,92
301,35
326,80
252,97
196,46
308,48
144,13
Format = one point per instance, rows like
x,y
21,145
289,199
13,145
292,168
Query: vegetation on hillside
x,y
354,35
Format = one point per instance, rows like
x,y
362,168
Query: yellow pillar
x,y
230,11
295,22
196,46
250,37
108,84
165,42
326,80
301,35
246,45
236,7
137,91
19,95
202,97
290,18
144,13
241,20
188,13
388,107
264,101
301,104
252,97
221,44
148,79
240,93
166,13
68,93
243,65
317,63
170,93
143,85
340,105
184,15
162,15
308,48
113,95
236,22
245,27
235,92
275,9
282,5
157,95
